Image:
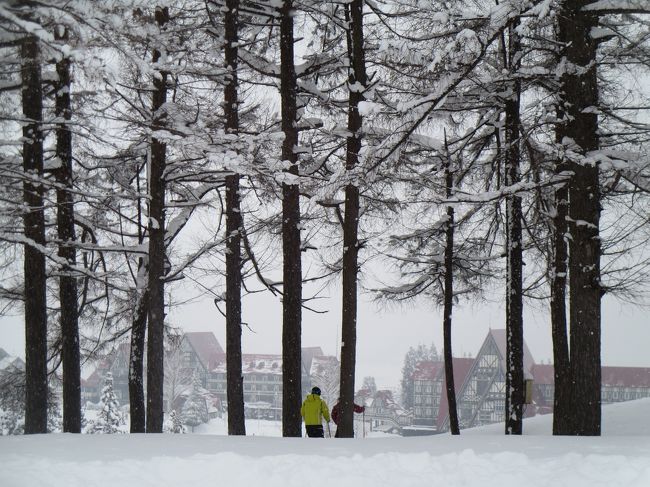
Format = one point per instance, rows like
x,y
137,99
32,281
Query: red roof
x,y
427,370
206,346
611,376
626,376
461,369
543,374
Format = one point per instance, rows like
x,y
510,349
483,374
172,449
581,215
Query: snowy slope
x,y
481,457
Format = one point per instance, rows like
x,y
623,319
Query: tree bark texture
x,y
292,265
579,93
515,388
235,382
137,408
357,78
70,356
34,229
562,407
156,317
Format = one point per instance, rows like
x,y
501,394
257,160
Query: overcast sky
x,y
384,336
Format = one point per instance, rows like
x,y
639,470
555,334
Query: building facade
x,y
199,354
480,387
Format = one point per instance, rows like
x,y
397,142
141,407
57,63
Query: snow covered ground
x,y
481,457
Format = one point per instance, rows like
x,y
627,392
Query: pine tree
x,y
369,384
109,418
195,409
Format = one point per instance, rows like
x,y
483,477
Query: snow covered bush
x,y
174,424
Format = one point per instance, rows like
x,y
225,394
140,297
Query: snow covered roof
x,y
427,370
320,364
256,363
11,362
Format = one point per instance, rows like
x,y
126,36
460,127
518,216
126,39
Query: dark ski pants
x,y
315,430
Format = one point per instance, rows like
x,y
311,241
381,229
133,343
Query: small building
x,y
382,411
431,409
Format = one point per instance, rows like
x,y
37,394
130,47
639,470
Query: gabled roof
x,y
9,362
427,370
462,367
206,346
308,354
499,336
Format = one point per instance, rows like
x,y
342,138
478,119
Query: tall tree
x,y
66,230
448,300
156,229
357,82
514,403
34,229
579,136
291,248
235,380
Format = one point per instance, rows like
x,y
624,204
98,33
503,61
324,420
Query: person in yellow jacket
x,y
313,410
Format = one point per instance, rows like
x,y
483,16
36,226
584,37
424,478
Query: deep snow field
x,y
481,457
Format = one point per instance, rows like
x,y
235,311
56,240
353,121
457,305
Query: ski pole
x,y
329,432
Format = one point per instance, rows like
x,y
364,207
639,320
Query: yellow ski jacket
x,y
313,410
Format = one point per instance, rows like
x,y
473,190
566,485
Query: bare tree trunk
x,y
235,381
292,265
449,302
579,94
65,223
357,77
515,392
137,408
562,407
156,318
34,223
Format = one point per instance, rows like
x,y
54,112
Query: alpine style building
x,y
480,388
199,356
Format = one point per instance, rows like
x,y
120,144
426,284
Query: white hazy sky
x,y
384,336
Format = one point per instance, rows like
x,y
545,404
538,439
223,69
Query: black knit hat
x,y
315,390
